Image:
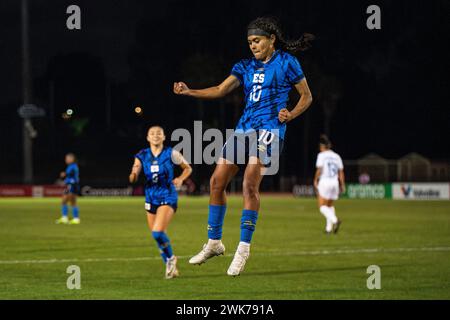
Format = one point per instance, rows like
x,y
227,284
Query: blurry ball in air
x,y
138,110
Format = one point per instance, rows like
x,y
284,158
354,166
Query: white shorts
x,y
328,189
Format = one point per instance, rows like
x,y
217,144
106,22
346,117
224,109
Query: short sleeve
x,y
140,156
238,71
294,72
177,157
319,162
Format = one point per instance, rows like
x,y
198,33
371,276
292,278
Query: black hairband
x,y
257,32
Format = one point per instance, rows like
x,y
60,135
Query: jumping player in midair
x,y
267,79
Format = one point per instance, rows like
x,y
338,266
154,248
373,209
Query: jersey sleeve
x,y
140,156
294,72
238,71
319,161
177,157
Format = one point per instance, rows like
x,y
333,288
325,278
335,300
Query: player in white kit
x,y
329,180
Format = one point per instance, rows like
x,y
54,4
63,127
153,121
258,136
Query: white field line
x,y
295,253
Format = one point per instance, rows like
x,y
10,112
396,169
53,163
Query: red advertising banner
x,y
31,191
15,191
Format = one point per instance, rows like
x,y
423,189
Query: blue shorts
x,y
263,145
73,188
152,208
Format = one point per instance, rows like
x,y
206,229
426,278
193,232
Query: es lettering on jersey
x,y
266,89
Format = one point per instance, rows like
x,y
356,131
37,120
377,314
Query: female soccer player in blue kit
x,y
72,181
161,187
267,79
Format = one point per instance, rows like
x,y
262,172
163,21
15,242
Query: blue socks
x,y
64,210
75,213
215,221
248,224
163,244
217,215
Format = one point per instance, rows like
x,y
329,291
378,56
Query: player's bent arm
x,y
187,170
228,85
316,177
135,171
303,103
305,98
178,159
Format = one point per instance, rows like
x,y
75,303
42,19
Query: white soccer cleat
x,y
62,220
75,221
171,268
211,249
239,260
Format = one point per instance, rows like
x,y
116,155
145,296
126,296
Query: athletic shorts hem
x,y
152,208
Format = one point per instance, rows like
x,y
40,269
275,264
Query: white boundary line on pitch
x,y
296,253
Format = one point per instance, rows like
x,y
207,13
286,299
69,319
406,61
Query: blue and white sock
x,y
164,246
163,256
248,224
215,221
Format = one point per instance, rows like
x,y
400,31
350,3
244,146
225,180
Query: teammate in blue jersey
x,y
161,186
72,181
267,79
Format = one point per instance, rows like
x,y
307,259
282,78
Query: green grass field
x,y
291,257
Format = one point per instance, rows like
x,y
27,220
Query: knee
x,y
216,185
250,190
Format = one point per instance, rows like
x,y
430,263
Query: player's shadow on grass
x,y
285,272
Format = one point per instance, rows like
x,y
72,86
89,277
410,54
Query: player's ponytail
x,y
270,26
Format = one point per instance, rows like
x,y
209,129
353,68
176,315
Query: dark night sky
x,y
392,84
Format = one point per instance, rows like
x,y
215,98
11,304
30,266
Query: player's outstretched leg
x,y
165,247
327,213
64,212
214,247
72,199
223,173
248,223
158,223
252,180
75,215
338,222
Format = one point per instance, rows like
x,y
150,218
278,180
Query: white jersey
x,y
330,163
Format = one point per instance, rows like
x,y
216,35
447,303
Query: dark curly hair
x,y
272,26
324,140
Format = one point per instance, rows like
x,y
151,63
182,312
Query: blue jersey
x,y
159,173
266,89
72,174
